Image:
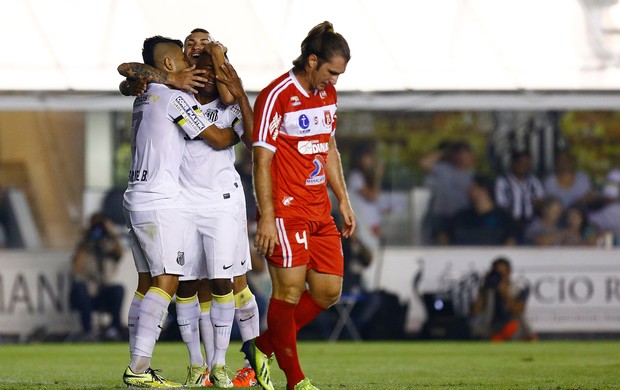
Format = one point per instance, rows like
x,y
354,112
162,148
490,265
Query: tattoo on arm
x,y
138,70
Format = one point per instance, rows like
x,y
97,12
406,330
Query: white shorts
x,y
220,244
158,240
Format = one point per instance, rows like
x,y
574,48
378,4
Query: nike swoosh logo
x,y
243,262
220,326
225,267
245,319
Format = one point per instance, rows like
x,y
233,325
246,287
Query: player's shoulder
x,y
278,85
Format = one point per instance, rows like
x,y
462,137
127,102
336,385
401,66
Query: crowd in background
x,y
517,207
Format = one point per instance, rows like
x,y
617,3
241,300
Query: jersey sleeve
x,y
181,110
267,121
237,120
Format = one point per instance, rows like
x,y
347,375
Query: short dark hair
x,y
148,47
485,182
323,42
199,30
503,261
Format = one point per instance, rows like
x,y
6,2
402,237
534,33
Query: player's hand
x,y
133,87
230,78
188,79
266,236
215,45
349,221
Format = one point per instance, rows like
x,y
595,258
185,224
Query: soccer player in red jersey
x,y
295,157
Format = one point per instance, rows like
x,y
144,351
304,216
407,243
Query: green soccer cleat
x,y
195,373
305,384
149,378
260,362
219,377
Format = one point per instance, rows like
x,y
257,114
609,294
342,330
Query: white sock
x,y
206,332
222,317
188,314
132,319
247,318
153,313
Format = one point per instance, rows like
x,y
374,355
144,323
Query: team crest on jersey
x,y
212,114
274,126
327,117
181,258
322,94
287,200
318,174
295,101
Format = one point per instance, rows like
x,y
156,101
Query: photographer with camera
x,y
94,264
498,312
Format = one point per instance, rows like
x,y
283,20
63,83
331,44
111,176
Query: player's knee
x,y
327,297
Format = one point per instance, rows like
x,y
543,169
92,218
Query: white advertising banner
x,y
571,289
34,291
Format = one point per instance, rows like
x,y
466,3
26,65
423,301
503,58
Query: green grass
x,y
344,365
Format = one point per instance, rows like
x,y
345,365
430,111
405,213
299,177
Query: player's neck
x,y
304,81
205,99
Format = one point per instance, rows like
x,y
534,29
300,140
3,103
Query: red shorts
x,y
316,245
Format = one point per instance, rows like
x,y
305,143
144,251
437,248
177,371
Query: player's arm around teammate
x,y
138,75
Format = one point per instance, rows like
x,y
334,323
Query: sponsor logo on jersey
x,y
318,174
287,200
274,126
236,110
303,121
140,100
295,101
312,147
189,114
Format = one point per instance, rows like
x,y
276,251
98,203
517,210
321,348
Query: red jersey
x,y
297,127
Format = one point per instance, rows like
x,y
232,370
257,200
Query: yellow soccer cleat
x,y
149,378
305,384
219,377
260,362
195,375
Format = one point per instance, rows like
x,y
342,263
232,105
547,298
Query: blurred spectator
x,y
482,223
578,230
567,183
364,184
546,229
519,190
605,213
450,171
498,313
94,264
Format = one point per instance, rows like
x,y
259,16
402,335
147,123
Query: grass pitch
x,y
343,365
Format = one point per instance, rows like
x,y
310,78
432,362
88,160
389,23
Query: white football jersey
x,y
206,173
161,118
